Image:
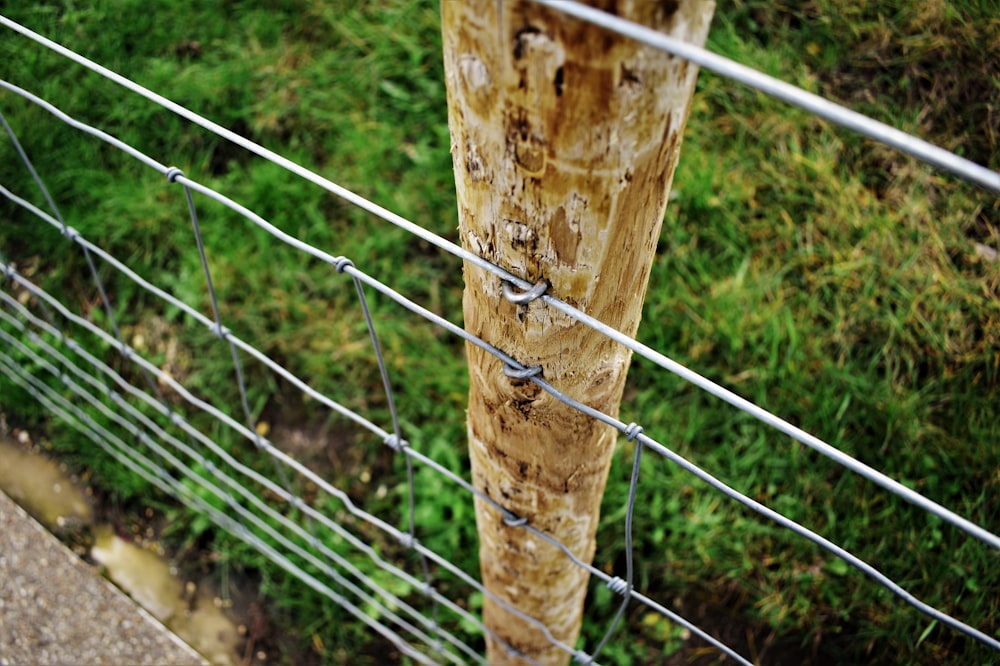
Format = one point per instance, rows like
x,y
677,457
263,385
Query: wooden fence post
x,y
564,138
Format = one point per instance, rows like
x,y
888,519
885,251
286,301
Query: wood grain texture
x,y
564,142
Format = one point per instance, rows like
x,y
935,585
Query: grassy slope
x,y
838,283
831,280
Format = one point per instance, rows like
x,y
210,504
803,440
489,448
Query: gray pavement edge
x,y
56,610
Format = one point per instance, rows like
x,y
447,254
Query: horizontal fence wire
x,y
341,265
36,339
790,94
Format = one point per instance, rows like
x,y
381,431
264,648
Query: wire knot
x,y
408,541
521,373
341,264
618,586
522,297
70,233
396,443
219,331
581,657
172,174
632,430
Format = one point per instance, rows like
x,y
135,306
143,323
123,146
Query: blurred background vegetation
x,y
835,282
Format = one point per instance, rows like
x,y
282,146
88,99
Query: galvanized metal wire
x,y
47,344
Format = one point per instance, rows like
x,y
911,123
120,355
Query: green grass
x,y
829,279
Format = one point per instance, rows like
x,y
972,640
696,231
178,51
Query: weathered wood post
x,y
564,138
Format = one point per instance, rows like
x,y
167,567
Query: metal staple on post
x,y
523,297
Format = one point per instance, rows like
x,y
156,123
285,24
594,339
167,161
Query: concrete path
x,y
55,610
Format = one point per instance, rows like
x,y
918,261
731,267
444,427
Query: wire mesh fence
x,y
208,444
